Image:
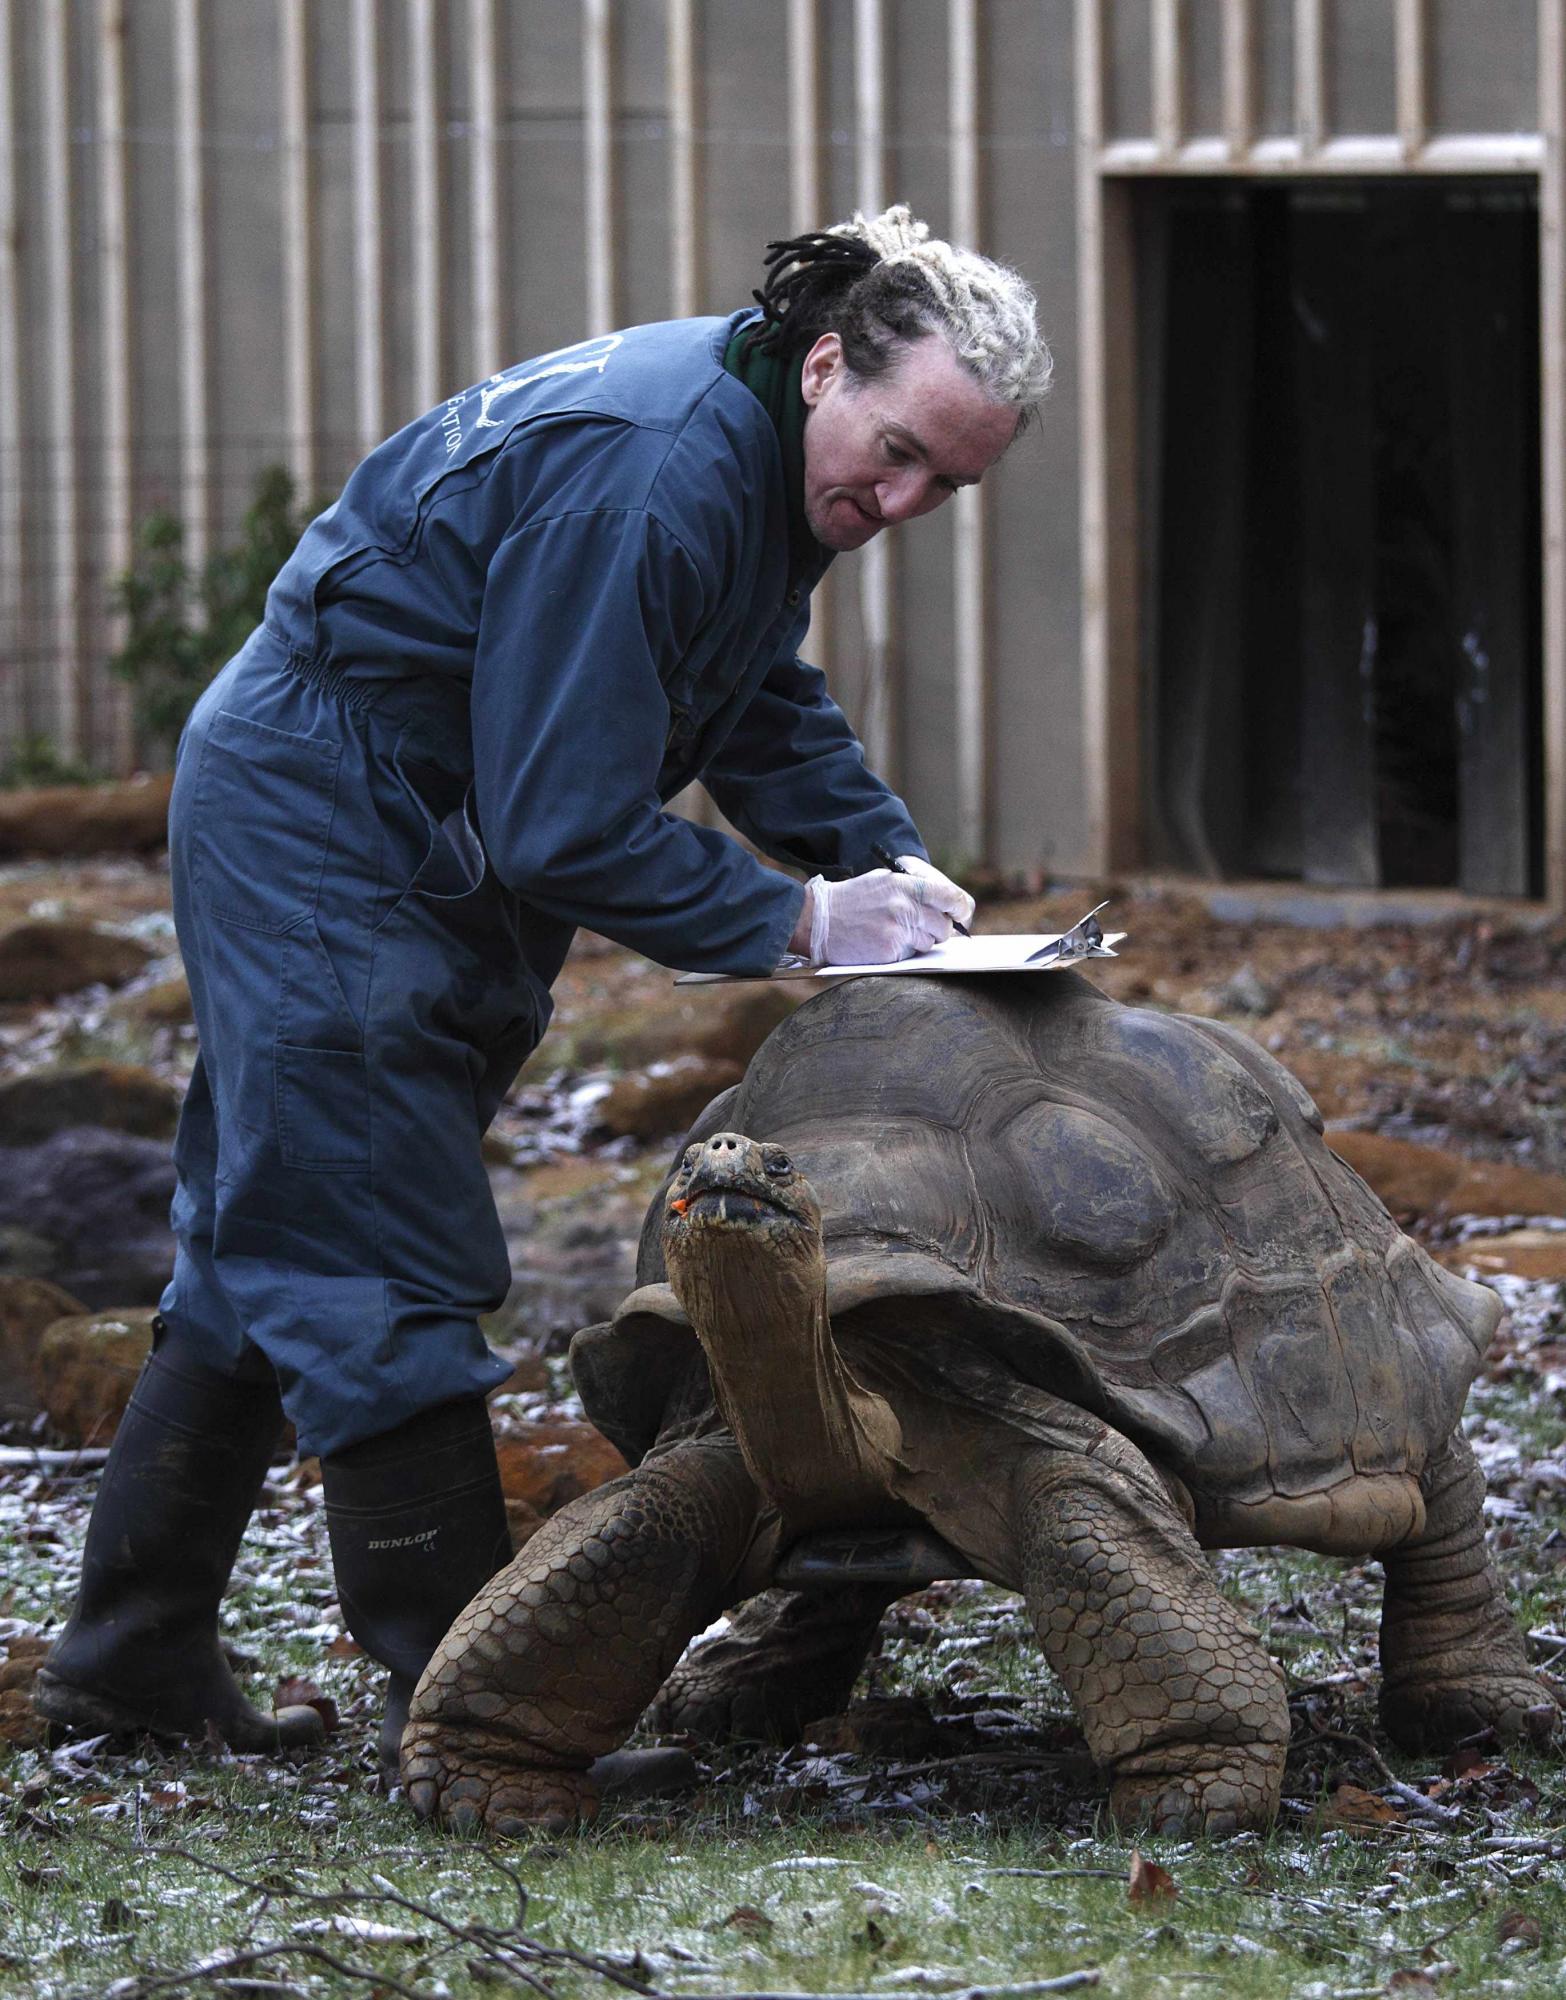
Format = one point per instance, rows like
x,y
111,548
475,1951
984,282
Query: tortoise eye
x,y
778,1163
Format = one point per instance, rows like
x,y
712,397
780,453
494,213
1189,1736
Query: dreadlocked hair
x,y
884,282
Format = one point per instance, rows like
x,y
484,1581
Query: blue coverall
x,y
532,617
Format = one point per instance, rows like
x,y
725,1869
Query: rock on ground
x,y
89,1210
70,821
115,1097
1431,1183
85,1370
555,1460
665,1101
27,1307
47,957
1524,1253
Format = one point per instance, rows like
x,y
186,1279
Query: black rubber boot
x,y
140,1654
418,1527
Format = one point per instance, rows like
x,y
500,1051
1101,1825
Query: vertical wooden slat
x,y
298,242
1413,92
1091,401
804,117
680,83
488,263
1168,77
1552,333
13,645
60,462
805,212
970,659
878,718
598,163
195,385
368,212
429,294
1111,732
115,737
1310,74
1239,76
683,242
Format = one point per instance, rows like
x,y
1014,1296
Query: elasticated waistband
x,y
433,710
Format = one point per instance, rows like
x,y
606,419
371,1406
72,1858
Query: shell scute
x,y
1194,1089
1067,1184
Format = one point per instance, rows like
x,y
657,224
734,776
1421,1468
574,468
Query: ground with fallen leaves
x,y
945,1836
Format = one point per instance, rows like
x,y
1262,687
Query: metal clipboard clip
x,y
1083,940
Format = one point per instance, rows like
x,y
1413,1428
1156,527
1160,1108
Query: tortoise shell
x,y
1134,1211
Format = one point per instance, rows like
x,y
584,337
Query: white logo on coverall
x,y
586,357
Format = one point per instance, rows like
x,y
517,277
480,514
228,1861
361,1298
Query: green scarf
x,y
775,385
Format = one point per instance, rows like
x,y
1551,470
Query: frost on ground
x,y
947,1832
944,1834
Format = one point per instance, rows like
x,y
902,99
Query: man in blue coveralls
x,y
533,616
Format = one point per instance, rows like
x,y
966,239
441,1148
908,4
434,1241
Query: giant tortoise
x,y
1074,1290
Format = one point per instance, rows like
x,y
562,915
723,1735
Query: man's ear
x,y
820,365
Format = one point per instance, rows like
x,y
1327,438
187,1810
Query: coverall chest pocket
x,y
263,803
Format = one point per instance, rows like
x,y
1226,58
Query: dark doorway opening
x,y
1339,424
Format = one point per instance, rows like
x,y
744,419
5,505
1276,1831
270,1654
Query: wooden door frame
x,y
1107,174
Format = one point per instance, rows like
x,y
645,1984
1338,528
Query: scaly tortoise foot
x,y
471,1784
1206,1788
1440,1714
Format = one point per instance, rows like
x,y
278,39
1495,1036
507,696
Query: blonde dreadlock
x,y
882,281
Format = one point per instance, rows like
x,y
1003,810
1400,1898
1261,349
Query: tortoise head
x,y
728,1185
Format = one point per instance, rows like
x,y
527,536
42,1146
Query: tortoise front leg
x,y
1453,1661
1175,1694
557,1656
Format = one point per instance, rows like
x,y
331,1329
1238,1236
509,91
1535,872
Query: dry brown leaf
x,y
1518,1929
20,1722
1355,1809
1468,1763
1147,1882
298,1693
750,1920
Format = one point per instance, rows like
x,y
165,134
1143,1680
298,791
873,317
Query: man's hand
x,y
878,918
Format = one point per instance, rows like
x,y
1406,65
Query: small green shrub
x,y
180,626
36,761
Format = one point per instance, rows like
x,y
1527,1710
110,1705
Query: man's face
x,y
892,449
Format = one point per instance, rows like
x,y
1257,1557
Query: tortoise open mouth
x,y
730,1201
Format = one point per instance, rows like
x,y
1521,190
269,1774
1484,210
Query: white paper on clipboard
x,y
1000,952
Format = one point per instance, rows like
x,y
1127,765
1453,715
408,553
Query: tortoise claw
x,y
472,1788
1214,1789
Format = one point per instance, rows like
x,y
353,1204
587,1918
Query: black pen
x,y
888,860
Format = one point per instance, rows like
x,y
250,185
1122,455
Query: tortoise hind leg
x,y
1453,1661
1175,1693
788,1657
554,1660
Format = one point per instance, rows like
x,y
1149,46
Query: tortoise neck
x,y
814,1441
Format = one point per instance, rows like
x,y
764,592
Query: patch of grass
x,y
719,1899
975,1853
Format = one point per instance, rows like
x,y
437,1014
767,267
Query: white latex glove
x,y
961,906
877,918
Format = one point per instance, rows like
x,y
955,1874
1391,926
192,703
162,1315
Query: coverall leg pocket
x,y
320,1075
